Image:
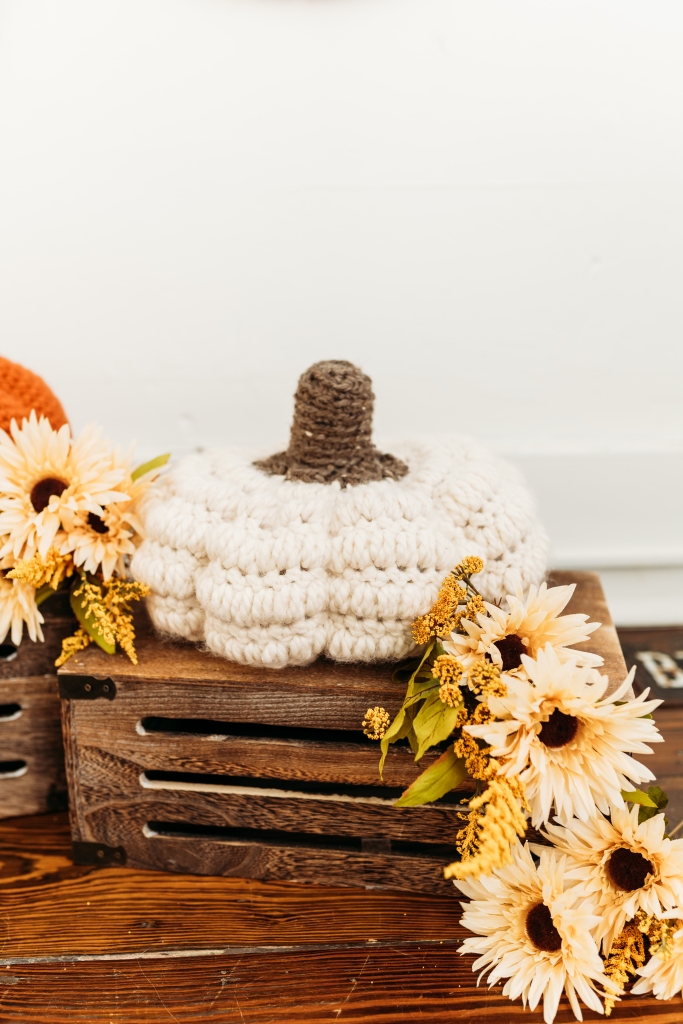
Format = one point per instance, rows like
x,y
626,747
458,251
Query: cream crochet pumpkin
x,y
331,547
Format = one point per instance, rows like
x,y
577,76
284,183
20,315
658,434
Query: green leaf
x,y
638,797
422,688
659,797
401,727
412,738
88,622
440,778
147,467
434,722
43,593
405,670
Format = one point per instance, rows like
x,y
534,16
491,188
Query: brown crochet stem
x,y
331,435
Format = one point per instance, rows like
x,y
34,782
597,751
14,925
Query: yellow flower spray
x,y
107,604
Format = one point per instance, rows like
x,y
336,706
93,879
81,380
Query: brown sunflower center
x,y
97,523
511,650
559,730
541,930
628,869
43,491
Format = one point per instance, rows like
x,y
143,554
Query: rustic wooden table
x,y
105,945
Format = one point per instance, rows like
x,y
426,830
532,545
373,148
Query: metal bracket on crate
x,y
86,688
98,853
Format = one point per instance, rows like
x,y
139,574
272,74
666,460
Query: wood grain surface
x,y
263,757
118,945
35,659
367,986
30,736
30,730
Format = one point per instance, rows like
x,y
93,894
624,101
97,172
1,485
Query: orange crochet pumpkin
x,y
21,391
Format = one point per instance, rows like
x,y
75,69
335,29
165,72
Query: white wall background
x,y
480,203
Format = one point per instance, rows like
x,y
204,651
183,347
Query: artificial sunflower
x,y
567,742
47,481
622,865
102,541
527,626
534,932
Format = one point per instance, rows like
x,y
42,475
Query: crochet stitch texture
x,y
274,572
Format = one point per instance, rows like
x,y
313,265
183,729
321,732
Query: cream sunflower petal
x,y
664,978
507,948
589,846
551,998
18,609
593,763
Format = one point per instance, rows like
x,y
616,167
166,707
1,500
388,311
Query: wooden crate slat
x,y
163,661
299,865
263,757
273,758
250,807
31,733
232,700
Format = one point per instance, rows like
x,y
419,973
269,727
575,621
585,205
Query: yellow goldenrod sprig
x,y
485,843
440,619
478,761
626,955
475,606
376,722
119,595
94,605
447,668
443,618
72,645
469,566
485,680
39,572
107,604
449,671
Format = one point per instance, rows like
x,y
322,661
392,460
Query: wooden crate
x,y
187,762
32,778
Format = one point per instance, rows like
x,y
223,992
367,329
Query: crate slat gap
x,y
187,762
